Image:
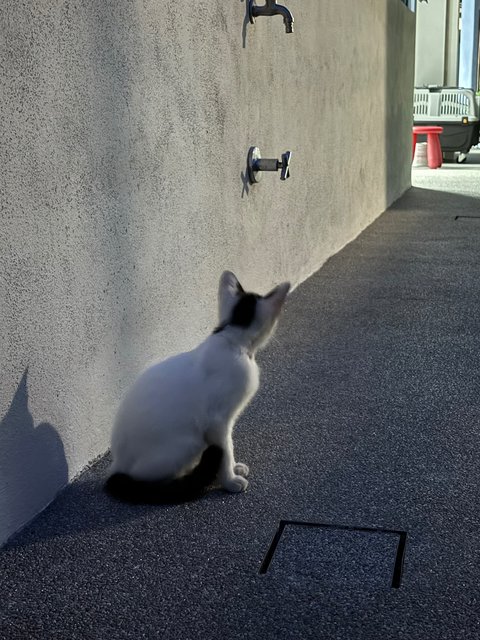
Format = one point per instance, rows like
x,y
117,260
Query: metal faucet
x,y
255,164
271,8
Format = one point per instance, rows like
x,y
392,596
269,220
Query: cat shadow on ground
x,y
33,467
81,507
84,506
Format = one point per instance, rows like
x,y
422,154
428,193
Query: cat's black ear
x,y
229,289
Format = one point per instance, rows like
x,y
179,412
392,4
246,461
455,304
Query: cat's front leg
x,y
231,474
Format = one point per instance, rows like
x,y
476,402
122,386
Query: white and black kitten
x,y
172,436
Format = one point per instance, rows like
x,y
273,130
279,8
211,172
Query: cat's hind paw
x,y
241,469
235,484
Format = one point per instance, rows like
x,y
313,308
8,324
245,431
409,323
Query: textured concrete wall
x,y
125,128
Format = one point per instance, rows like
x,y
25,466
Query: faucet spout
x,y
287,18
271,8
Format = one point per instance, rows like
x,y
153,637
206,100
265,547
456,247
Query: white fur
x,y
179,406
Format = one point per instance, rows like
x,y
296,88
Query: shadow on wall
x,y
32,464
246,21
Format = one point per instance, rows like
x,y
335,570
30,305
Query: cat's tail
x,y
185,489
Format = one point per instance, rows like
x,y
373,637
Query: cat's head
x,y
252,315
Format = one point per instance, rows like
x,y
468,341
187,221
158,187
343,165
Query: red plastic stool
x,y
434,150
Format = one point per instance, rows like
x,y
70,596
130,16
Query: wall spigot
x,y
256,164
271,8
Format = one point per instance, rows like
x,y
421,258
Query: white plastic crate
x,y
445,105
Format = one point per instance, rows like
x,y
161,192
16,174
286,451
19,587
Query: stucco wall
x,y
125,129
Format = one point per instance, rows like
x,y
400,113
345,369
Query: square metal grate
x,y
344,554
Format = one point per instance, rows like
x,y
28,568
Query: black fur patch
x,y
185,489
220,327
243,313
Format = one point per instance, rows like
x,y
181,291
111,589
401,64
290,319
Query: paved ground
x,y
369,417
452,177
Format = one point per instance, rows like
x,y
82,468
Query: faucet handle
x,y
256,164
285,165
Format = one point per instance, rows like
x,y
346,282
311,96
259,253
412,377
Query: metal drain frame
x,y
467,217
399,557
